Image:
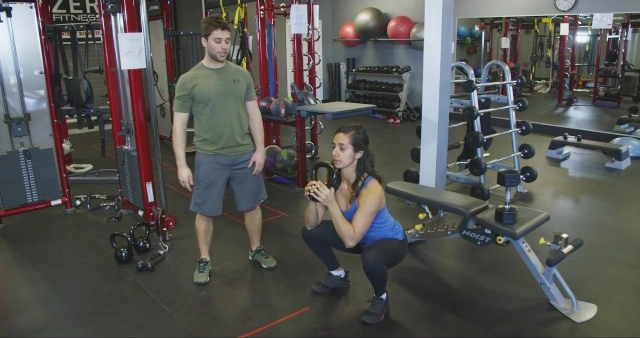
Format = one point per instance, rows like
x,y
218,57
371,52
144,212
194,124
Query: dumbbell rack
x,y
508,100
403,94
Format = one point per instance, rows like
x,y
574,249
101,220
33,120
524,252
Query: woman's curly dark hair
x,y
359,140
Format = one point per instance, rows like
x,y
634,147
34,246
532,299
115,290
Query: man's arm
x,y
179,143
257,132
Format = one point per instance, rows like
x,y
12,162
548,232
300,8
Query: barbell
x,y
471,112
478,167
475,139
470,86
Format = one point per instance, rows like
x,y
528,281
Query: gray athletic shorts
x,y
214,173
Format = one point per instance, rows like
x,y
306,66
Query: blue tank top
x,y
383,226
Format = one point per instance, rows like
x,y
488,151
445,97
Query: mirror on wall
x,y
569,62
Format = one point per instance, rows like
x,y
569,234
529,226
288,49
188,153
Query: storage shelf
x,y
375,92
403,94
377,74
379,39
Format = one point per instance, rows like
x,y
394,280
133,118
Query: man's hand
x,y
185,177
257,159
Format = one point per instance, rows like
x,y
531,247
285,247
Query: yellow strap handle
x,y
224,14
586,45
239,15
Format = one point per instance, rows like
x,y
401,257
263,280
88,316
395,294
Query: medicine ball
x,y
271,152
417,33
399,27
463,32
348,31
476,31
265,105
370,23
281,107
287,161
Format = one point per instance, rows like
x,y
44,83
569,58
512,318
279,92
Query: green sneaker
x,y
203,270
259,256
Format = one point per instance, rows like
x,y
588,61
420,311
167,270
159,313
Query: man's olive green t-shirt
x,y
216,97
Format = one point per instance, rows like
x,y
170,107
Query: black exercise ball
x,y
371,23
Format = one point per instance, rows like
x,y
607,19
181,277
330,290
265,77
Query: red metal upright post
x,y
562,51
59,125
505,33
573,72
138,112
111,74
311,49
168,49
298,79
516,51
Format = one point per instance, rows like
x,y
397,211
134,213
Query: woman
x,y
360,222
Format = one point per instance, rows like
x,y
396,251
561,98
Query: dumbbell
x,y
566,137
507,214
478,167
475,139
471,112
480,191
415,154
411,175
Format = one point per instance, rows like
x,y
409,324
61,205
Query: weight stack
x,y
129,174
29,175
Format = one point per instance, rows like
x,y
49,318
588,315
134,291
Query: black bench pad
x,y
528,220
447,201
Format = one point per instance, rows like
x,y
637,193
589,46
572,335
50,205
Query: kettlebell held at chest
x,y
332,179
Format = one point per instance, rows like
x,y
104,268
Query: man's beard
x,y
215,57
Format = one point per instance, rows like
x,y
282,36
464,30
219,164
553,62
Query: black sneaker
x,y
332,283
377,310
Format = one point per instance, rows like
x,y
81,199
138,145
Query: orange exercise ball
x,y
348,31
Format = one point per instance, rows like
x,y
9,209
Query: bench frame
x,y
475,212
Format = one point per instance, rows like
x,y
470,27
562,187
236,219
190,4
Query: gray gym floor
x,y
59,277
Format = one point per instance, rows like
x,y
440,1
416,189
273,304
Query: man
x,y
229,140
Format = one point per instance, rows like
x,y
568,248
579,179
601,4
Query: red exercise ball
x,y
348,31
399,27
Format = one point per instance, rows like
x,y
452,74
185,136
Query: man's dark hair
x,y
212,23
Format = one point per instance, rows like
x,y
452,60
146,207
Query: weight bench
x,y
620,153
479,226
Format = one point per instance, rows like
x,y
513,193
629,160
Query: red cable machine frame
x,y
150,210
265,13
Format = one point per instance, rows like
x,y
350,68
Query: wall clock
x,y
564,5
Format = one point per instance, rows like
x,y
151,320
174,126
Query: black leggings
x,y
376,258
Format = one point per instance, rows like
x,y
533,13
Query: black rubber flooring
x,y
58,276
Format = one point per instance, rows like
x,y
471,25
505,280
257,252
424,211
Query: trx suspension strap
x,y
80,85
243,54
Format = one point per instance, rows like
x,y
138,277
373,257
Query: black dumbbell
x,y
507,214
411,175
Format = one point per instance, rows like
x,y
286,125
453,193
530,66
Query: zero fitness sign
x,y
75,12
